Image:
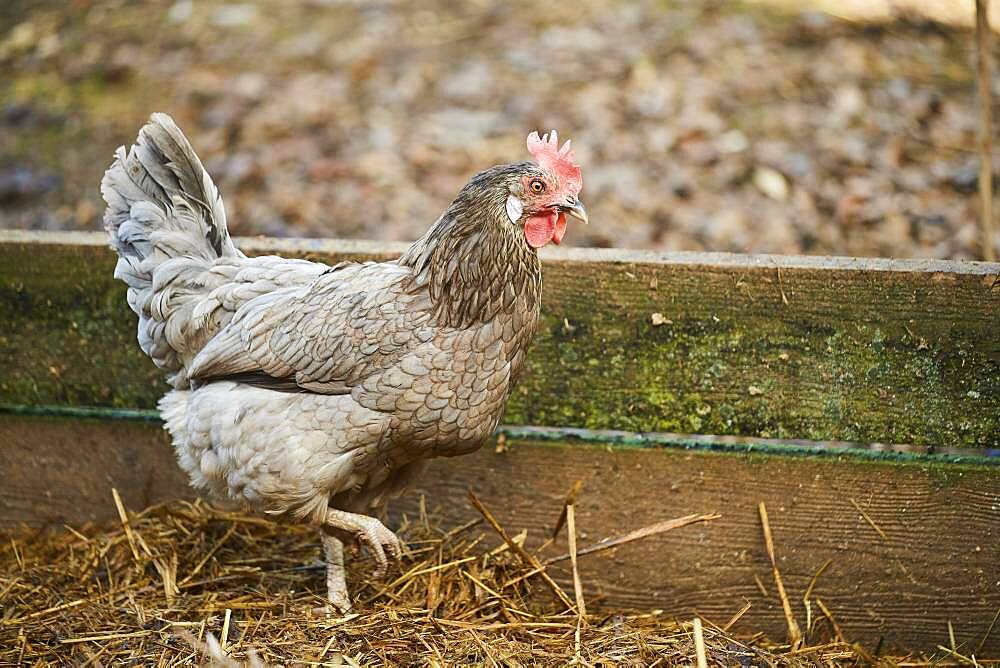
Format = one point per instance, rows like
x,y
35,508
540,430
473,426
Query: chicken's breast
x,y
283,453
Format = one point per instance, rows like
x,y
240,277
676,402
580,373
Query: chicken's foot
x,y
336,578
369,531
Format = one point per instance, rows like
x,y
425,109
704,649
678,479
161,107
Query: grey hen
x,y
315,393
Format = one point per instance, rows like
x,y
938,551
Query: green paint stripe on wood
x,y
621,439
766,346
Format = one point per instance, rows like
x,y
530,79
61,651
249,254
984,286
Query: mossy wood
x,y
786,347
927,559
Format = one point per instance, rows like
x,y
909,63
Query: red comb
x,y
546,152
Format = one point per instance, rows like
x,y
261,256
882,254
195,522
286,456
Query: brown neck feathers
x,y
475,263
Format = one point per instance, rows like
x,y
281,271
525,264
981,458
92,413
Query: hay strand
x,y
638,534
699,643
124,519
737,617
526,558
794,633
868,519
581,607
989,630
984,54
570,500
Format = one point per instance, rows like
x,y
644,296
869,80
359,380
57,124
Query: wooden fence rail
x,y
807,348
788,347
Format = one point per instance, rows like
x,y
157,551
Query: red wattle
x,y
560,230
539,230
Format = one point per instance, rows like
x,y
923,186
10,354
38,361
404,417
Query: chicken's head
x,y
547,191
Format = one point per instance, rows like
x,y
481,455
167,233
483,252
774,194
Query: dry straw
x,y
185,583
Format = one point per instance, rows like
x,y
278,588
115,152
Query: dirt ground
x,y
700,125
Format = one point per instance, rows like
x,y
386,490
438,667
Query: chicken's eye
x,y
537,186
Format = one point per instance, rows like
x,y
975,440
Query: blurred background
x,y
735,126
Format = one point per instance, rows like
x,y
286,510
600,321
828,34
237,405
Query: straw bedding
x,y
185,583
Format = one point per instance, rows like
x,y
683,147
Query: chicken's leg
x,y
336,578
369,531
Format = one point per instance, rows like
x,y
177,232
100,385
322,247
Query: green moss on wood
x,y
894,358
730,379
66,334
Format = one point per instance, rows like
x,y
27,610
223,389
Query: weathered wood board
x,y
938,562
787,347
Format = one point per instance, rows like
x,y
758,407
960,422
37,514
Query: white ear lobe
x,y
514,208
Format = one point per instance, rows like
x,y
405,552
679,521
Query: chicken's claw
x,y
379,540
372,533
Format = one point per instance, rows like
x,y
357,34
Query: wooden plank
x,y
769,346
62,470
937,563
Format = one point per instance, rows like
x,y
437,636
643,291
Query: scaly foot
x,y
375,536
336,578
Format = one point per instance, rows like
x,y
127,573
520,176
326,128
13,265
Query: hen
x,y
315,393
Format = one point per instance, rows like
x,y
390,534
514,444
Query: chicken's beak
x,y
574,208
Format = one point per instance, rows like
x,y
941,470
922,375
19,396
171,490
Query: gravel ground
x,y
700,125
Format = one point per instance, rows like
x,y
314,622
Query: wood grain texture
x,y
770,346
937,563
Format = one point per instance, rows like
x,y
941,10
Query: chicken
x,y
315,393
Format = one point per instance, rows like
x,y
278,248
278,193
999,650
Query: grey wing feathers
x,y
326,337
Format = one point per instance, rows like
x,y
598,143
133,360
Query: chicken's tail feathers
x,y
166,220
162,203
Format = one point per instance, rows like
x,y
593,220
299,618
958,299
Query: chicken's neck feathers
x,y
475,266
